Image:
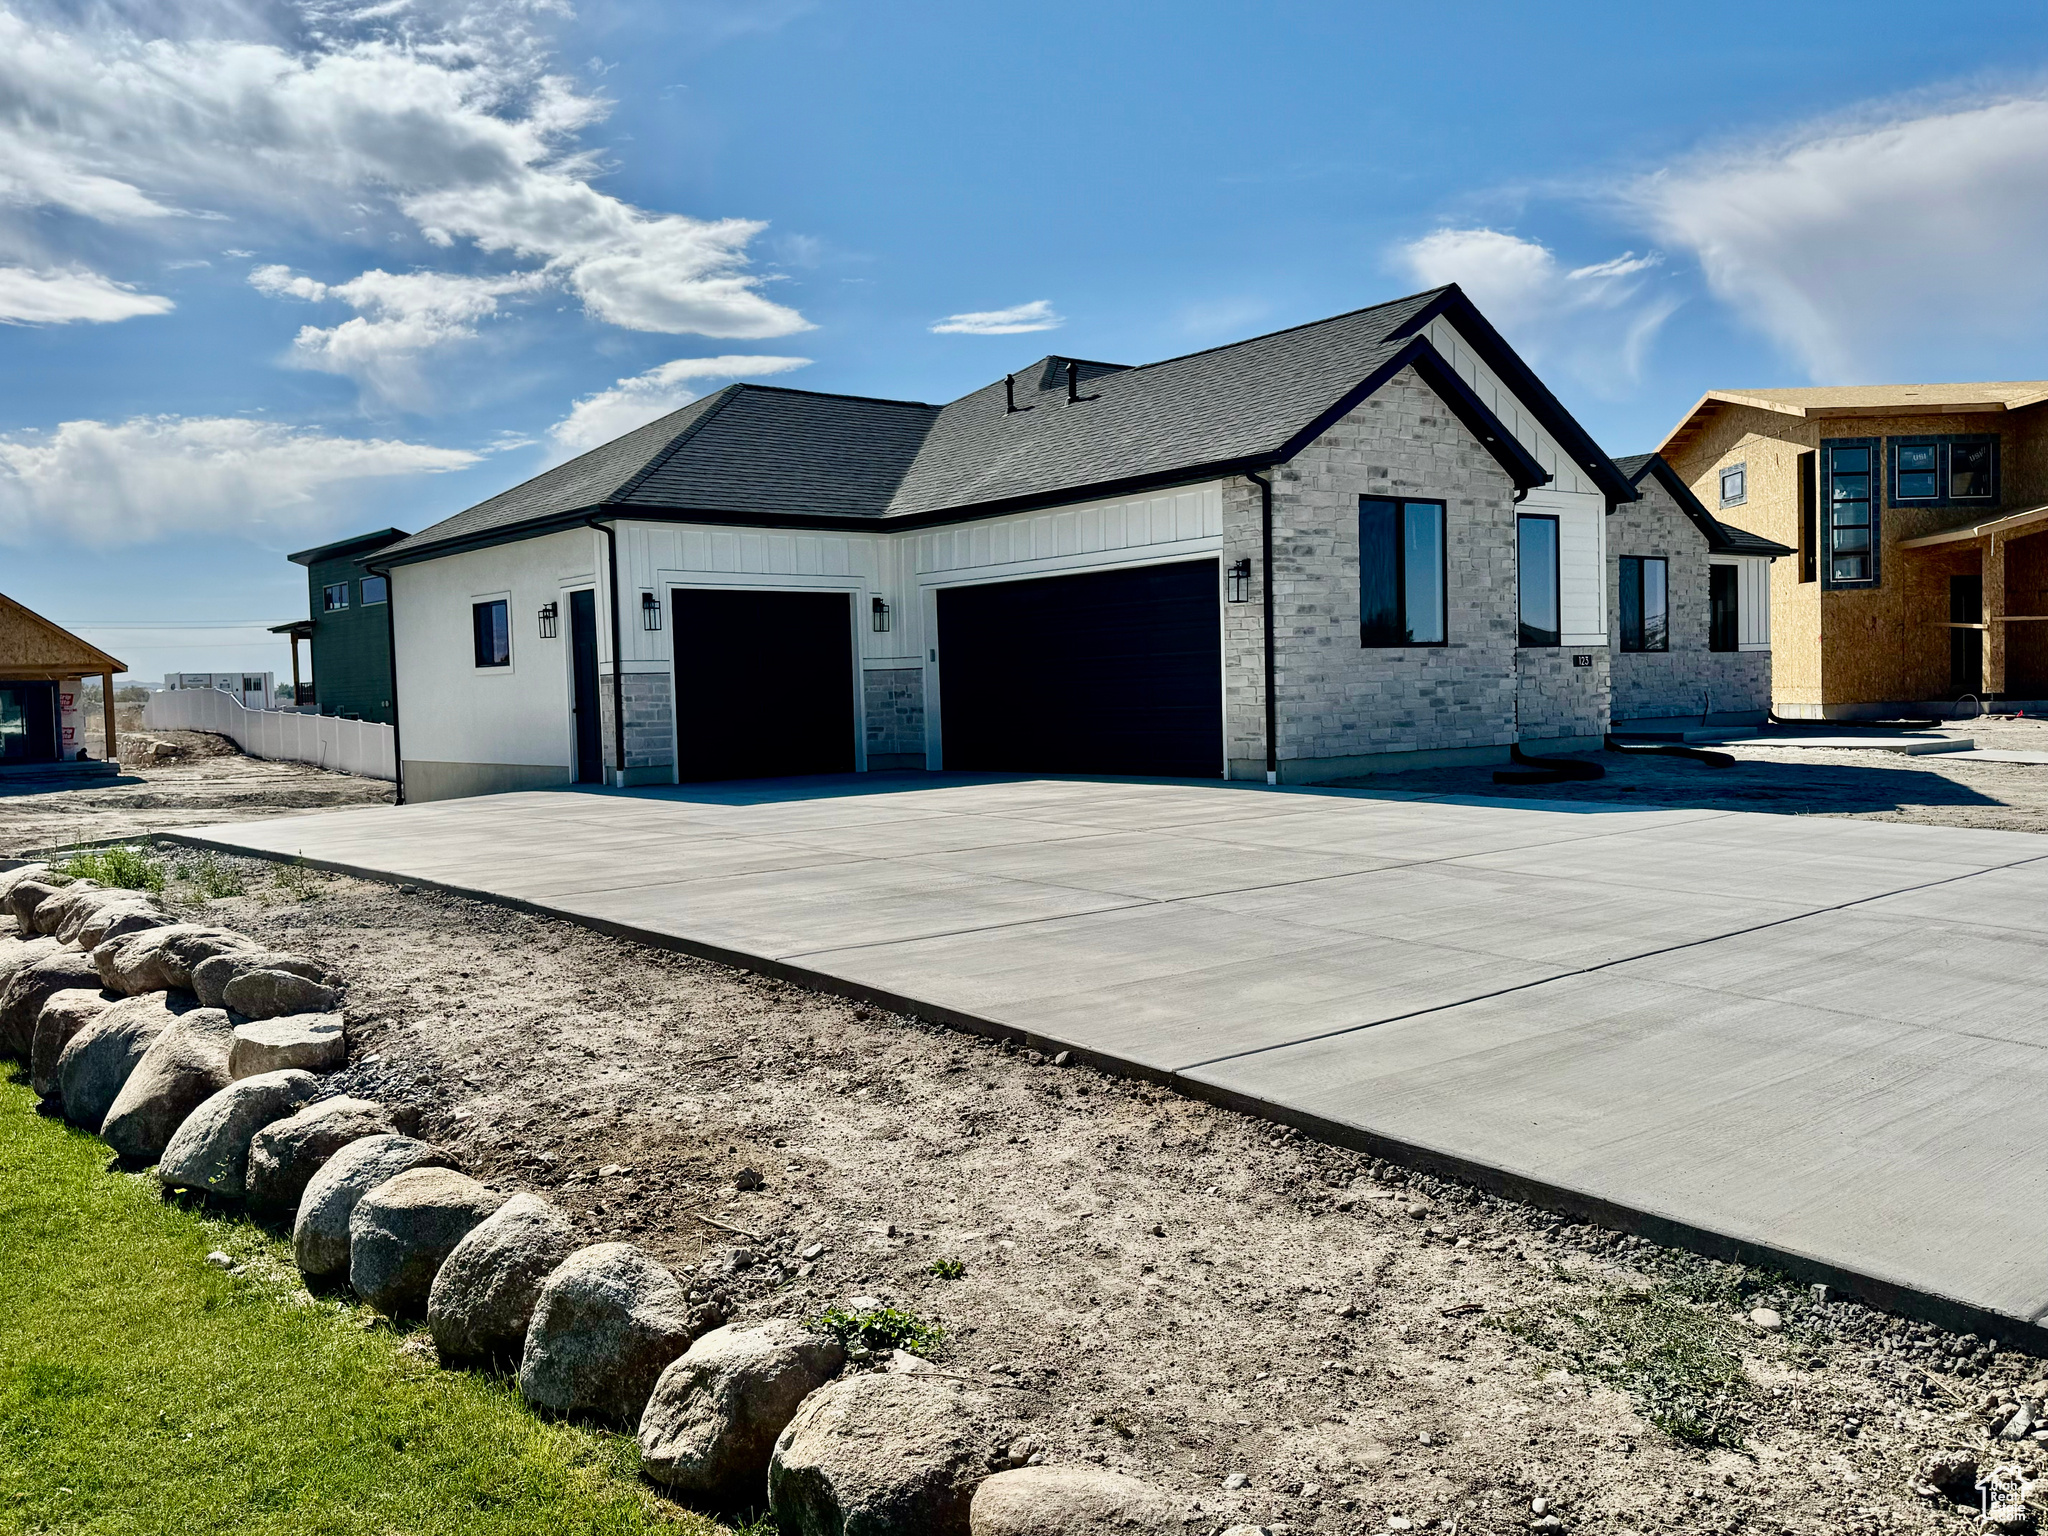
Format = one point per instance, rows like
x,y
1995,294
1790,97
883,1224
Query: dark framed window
x,y
1401,572
1849,512
493,629
1724,608
1536,566
1959,470
1734,485
1645,604
334,598
375,590
1809,515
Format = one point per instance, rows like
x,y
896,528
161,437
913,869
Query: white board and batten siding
x,y
1752,599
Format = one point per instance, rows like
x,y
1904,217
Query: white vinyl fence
x,y
346,746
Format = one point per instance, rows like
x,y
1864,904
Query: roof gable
x,y
37,645
1721,539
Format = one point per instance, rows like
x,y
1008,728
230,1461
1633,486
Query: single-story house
x,y
42,691
1915,511
1372,542
1691,599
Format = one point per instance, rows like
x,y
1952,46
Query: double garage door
x,y
1115,672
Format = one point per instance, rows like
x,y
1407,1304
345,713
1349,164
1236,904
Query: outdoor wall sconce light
x,y
1240,584
882,612
650,611
547,621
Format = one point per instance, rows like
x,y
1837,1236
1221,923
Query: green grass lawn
x,y
143,1390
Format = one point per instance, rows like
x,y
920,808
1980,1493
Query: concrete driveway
x,y
1815,1041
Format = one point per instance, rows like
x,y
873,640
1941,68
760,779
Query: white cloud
x,y
443,119
1875,245
401,316
155,477
1595,322
609,413
1036,316
53,297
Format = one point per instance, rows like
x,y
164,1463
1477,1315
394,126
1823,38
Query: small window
x,y
1536,556
1849,533
1734,485
493,633
1401,572
1944,471
1645,604
1724,609
334,598
375,590
251,684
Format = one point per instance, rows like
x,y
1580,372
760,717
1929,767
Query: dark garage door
x,y
764,683
1108,672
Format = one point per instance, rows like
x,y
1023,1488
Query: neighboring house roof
x,y
361,543
1721,539
1848,400
768,456
31,646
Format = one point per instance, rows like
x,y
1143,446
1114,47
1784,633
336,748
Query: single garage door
x,y
764,683
1108,672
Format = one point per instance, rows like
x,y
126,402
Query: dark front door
x,y
1107,672
764,683
1966,646
583,669
28,722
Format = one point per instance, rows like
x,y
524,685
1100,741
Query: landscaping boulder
x,y
63,1015
712,1422
113,919
210,1152
101,1057
210,977
311,1041
402,1231
268,993
24,993
24,896
285,1155
484,1295
187,1065
158,959
1070,1501
882,1455
16,953
606,1323
10,878
71,906
320,1235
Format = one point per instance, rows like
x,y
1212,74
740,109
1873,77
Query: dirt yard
x,y
1279,1331
170,779
1934,789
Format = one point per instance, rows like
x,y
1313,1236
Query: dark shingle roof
x,y
1721,539
762,454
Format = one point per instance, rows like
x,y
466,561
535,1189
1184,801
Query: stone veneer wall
x,y
1688,679
1557,701
894,698
1341,706
650,720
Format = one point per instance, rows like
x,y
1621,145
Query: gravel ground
x,y
1934,789
1152,1283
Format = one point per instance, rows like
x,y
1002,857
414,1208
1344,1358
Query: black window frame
x,y
334,597
1741,469
477,633
1829,446
1724,612
383,591
1522,628
1400,505
1640,646
1944,445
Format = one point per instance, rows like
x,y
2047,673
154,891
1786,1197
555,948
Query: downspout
x,y
1266,598
391,644
611,540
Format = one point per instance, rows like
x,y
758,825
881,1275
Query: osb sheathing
x,y
32,647
1889,643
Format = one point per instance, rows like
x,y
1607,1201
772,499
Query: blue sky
x,y
286,272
